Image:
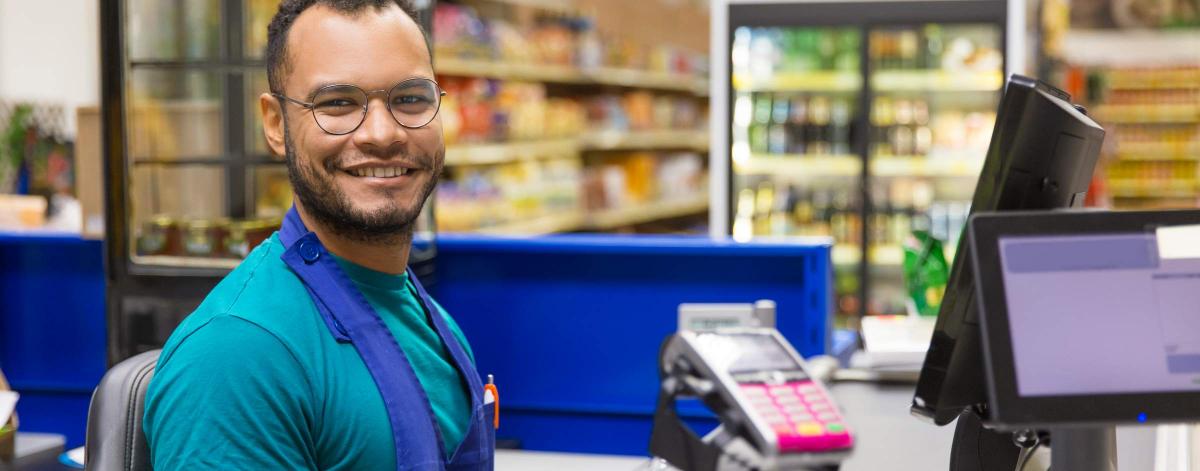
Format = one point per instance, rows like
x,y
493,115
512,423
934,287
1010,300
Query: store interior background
x,y
548,149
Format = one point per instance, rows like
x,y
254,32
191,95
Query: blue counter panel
x,y
52,328
571,325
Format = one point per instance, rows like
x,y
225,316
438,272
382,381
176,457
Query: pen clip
x,y
491,387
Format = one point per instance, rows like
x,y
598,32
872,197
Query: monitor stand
x,y
978,448
1090,449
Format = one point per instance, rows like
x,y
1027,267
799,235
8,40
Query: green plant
x,y
12,146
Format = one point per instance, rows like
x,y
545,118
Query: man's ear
x,y
272,119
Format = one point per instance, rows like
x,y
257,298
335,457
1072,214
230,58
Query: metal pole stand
x,y
1083,449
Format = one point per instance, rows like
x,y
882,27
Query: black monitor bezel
x,y
1008,409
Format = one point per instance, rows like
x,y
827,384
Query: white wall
x,y
50,53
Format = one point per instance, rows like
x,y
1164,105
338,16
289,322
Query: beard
x,y
326,203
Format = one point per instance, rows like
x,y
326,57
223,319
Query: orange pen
x,y
491,387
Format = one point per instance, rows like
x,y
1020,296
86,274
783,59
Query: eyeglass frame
x,y
312,106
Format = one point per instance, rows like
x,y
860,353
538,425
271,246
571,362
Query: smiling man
x,y
321,351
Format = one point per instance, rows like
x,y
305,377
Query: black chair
x,y
115,441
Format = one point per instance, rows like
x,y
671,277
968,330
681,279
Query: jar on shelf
x,y
205,238
160,236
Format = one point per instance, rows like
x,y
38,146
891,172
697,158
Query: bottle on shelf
x,y
934,44
908,49
759,127
764,201
922,133
840,126
902,132
797,125
818,126
777,134
882,118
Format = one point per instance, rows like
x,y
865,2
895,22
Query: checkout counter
x,y
611,419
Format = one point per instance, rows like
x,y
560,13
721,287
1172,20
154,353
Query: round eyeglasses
x,y
340,109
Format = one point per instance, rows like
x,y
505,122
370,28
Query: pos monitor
x,y
1042,154
1089,320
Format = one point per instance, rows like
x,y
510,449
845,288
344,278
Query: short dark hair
x,y
277,32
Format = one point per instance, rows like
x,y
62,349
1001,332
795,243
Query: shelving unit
x,y
1159,189
602,220
921,166
1158,113
1160,151
566,74
621,217
939,80
485,154
883,256
882,86
645,140
798,165
812,81
549,224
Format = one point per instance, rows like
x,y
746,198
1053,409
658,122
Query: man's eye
x,y
410,100
337,103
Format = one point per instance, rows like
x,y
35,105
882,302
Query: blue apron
x,y
351,319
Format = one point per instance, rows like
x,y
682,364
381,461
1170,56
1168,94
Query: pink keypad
x,y
803,419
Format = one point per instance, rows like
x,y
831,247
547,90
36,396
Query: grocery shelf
x,y
937,80
919,166
501,152
1131,48
815,81
889,255
552,5
645,79
482,154
1188,151
641,140
614,218
1148,113
601,220
187,262
1141,79
571,75
801,165
548,224
1153,189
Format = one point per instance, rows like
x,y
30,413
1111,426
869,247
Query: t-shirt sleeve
x,y
230,395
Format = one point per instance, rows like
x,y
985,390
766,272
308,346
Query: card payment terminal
x,y
773,414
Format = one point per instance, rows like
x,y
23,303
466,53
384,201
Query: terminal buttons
x,y
801,416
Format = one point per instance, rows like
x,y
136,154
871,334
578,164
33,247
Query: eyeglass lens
x,y
340,109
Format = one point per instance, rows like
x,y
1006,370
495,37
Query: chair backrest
x,y
115,441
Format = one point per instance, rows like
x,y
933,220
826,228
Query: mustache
x,y
343,160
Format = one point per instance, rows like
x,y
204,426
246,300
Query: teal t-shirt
x,y
253,379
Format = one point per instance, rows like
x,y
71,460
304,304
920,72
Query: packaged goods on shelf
x,y
480,197
801,124
552,39
935,46
478,110
759,54
1152,149
628,179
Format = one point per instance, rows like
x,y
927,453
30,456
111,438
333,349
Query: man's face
x,y
373,50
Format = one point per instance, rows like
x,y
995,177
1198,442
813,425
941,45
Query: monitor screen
x,y
745,353
1136,308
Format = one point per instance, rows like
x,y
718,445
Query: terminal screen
x,y
745,353
1102,314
